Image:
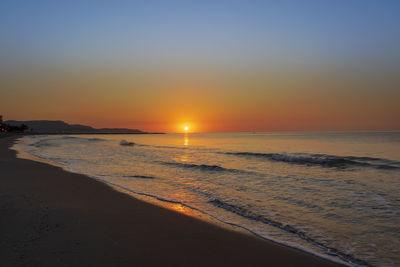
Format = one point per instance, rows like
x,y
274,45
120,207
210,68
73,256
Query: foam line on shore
x,y
337,258
287,228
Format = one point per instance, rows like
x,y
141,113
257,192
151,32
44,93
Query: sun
x,y
186,128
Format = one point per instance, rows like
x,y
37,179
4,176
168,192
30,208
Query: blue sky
x,y
204,31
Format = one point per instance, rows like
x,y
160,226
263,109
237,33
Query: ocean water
x,y
336,195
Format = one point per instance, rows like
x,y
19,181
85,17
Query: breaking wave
x,y
83,139
126,143
324,160
202,167
42,143
287,228
56,141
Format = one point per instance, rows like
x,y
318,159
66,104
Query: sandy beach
x,y
50,217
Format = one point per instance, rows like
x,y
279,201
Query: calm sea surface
x,y
336,195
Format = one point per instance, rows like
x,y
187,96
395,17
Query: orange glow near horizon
x,y
227,103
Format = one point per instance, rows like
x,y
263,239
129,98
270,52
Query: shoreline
x,y
54,217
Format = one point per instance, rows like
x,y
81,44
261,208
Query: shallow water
x,y
332,194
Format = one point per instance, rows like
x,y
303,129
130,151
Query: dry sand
x,y
50,217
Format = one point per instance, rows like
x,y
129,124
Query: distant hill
x,y
61,127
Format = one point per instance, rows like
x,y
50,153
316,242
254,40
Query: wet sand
x,y
50,217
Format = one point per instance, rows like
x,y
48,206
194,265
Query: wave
x,y
172,147
202,167
324,160
139,176
126,143
53,141
95,139
287,228
83,139
43,143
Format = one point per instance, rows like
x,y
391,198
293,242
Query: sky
x,y
213,65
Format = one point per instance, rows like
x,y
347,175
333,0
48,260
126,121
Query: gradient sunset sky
x,y
214,65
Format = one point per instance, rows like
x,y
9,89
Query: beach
x,y
51,217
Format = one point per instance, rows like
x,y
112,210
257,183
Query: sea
x,y
335,195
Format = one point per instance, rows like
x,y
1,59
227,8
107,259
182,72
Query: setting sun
x,y
186,128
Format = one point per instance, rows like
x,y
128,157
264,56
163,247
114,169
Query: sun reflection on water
x,y
186,139
182,209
